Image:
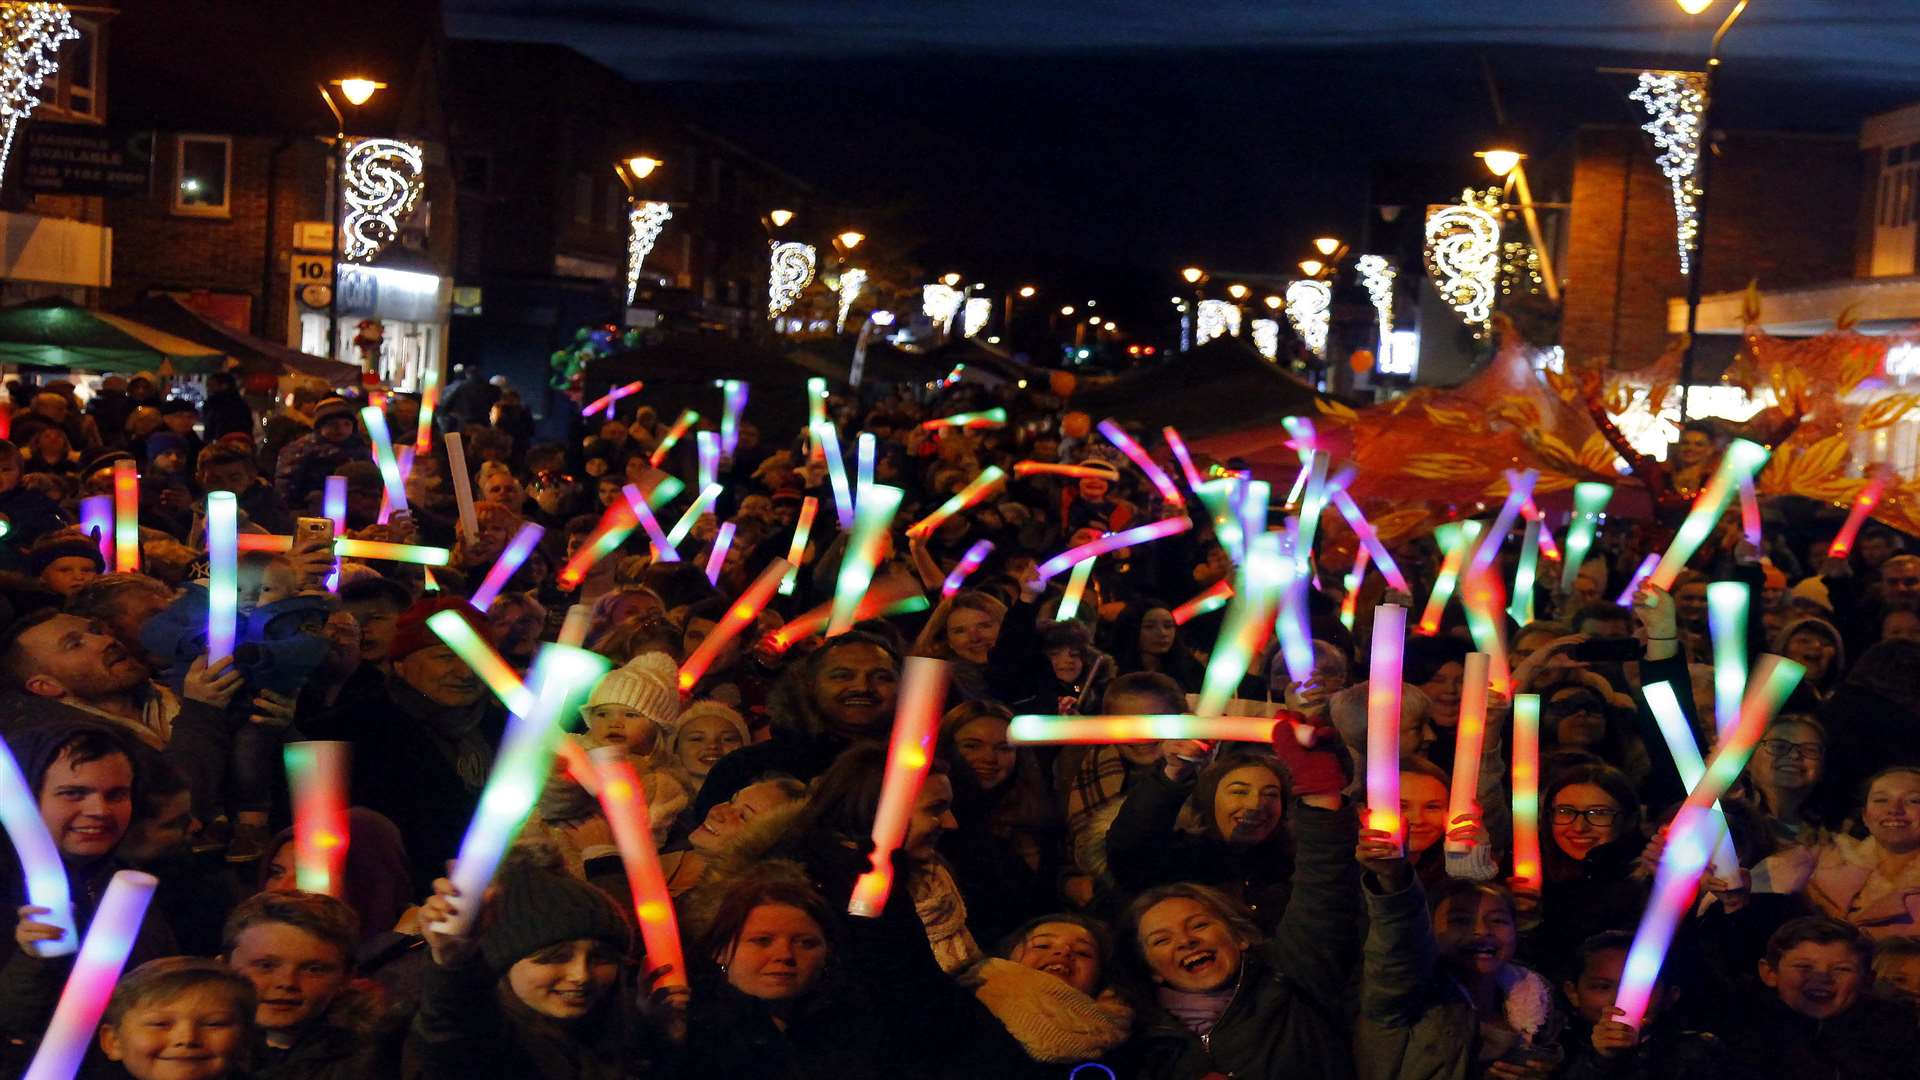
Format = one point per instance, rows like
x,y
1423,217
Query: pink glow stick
x,y
969,562
1370,540
733,403
1038,730
740,615
1139,534
1519,490
103,955
1138,455
1383,721
1179,447
1532,513
1863,505
916,720
1675,882
317,774
611,398
1750,512
512,557
663,549
624,802
1639,578
1468,740
1212,598
1526,789
717,555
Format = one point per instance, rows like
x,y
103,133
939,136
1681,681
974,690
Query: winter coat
x,y
306,462
1843,878
406,768
1874,1040
471,1027
731,1034
1145,848
1287,1016
1663,1054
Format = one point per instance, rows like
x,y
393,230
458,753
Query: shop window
x,y
203,173
75,92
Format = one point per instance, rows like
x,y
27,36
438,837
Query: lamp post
x,y
356,91
1505,163
1025,292
1702,172
1195,278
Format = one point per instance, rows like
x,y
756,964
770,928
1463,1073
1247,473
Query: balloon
x,y
1361,361
1062,383
1075,425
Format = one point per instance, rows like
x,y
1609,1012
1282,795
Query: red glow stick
x,y
1468,739
892,597
612,397
740,615
687,419
126,517
317,773
1212,598
1863,504
1179,447
1138,455
1547,546
975,493
1048,468
624,802
916,720
1349,603
616,523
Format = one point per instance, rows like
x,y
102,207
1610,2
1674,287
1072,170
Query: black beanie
x,y
41,555
537,908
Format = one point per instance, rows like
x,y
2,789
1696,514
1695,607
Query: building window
x,y
203,172
76,91
582,199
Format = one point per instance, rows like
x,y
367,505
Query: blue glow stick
x,y
223,573
511,558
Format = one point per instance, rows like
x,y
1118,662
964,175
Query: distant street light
x,y
1312,267
1326,245
1694,7
780,218
1273,303
1193,274
1237,291
642,166
358,91
950,280
850,239
1027,291
1500,161
1067,310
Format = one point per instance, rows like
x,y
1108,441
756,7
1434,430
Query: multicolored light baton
x,y
419,554
486,662
1675,883
1244,629
1293,625
46,874
663,549
1481,597
1049,468
560,673
1210,599
916,721
512,557
976,492
740,615
223,573
827,438
1521,609
617,522
317,774
1139,534
1750,512
1383,721
1742,458
1589,502
1138,455
893,597
704,504
797,550
1469,739
1076,589
96,517
988,418
687,419
1222,498
429,404
1526,789
1863,505
1640,576
1678,736
865,448
95,971
733,402
816,409
611,399
1350,600
574,628
1457,539
383,456
969,562
462,489
1774,679
1519,490
1043,730
707,445
717,555
126,517
1313,502
1179,447
333,507
862,555
1370,540
624,802
1728,604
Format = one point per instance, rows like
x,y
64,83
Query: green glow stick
x,y
862,555
1523,575
1456,539
1728,603
489,665
1076,589
1244,628
1589,501
1741,459
1774,679
704,504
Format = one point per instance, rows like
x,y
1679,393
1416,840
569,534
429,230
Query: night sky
x,y
1111,141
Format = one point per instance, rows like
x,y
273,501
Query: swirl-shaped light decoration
x,y
978,310
30,39
384,178
1463,255
644,222
941,302
1215,318
1266,338
1676,101
851,281
1376,276
791,272
1307,304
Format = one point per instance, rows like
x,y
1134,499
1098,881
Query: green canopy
x,y
58,333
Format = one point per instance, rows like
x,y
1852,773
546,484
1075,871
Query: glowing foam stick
x,y
1457,539
1774,678
717,555
1750,512
916,722
333,507
1210,599
1139,534
864,448
406,470
1589,501
1526,789
95,971
561,674
1312,503
1521,609
624,802
1038,730
462,487
512,557
663,549
987,418
1469,737
687,419
1179,447
828,439
1370,540
1293,625
1222,499
1482,597
1519,490
317,774
976,492
708,445
898,596
1532,513
1728,603
1675,883
1244,629
709,495
616,523
126,517
797,550
740,615
816,404
1076,589
421,554
1048,468
1350,601
1252,507
733,402
223,573
1863,505
611,398
486,662
1686,760
1138,455
862,554
269,542
1742,458
1640,575
968,563
574,627
383,456
47,885
96,517
1383,721
429,404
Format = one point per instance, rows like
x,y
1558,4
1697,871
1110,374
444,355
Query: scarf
x,y
1054,1022
1197,1010
942,910
455,732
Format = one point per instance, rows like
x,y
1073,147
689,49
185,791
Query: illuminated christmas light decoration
x,y
1307,304
30,39
978,310
1376,276
1216,318
383,181
644,222
790,272
1677,103
1463,254
1520,270
851,281
941,302
1266,338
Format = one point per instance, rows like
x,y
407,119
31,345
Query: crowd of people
x,y
1155,910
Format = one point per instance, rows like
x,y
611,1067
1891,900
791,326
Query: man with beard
x,y
123,603
842,694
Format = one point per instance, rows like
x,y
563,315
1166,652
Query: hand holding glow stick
x,y
861,556
1741,458
740,615
1728,604
46,874
1639,578
687,419
317,774
383,456
827,438
797,550
975,493
1589,502
1469,741
1370,540
126,517
1383,721
1046,730
1180,454
1678,735
1526,790
968,563
1863,506
916,721
223,573
624,802
1689,838
462,488
1138,455
512,557
102,957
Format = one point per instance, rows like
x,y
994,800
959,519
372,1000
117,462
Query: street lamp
x,y
1505,162
1500,161
645,217
1694,7
1273,303
1027,291
1312,267
951,281
1326,245
356,91
1067,310
780,218
1237,291
1702,171
850,239
1193,274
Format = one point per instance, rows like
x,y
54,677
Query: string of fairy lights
x,y
644,223
1676,101
791,271
31,35
383,182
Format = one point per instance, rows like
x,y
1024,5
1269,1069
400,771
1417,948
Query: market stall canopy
x,y
1222,386
52,332
255,356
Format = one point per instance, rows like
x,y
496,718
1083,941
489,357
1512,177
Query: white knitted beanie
x,y
649,684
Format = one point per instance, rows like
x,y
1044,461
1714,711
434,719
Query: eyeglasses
x,y
1798,751
1600,817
